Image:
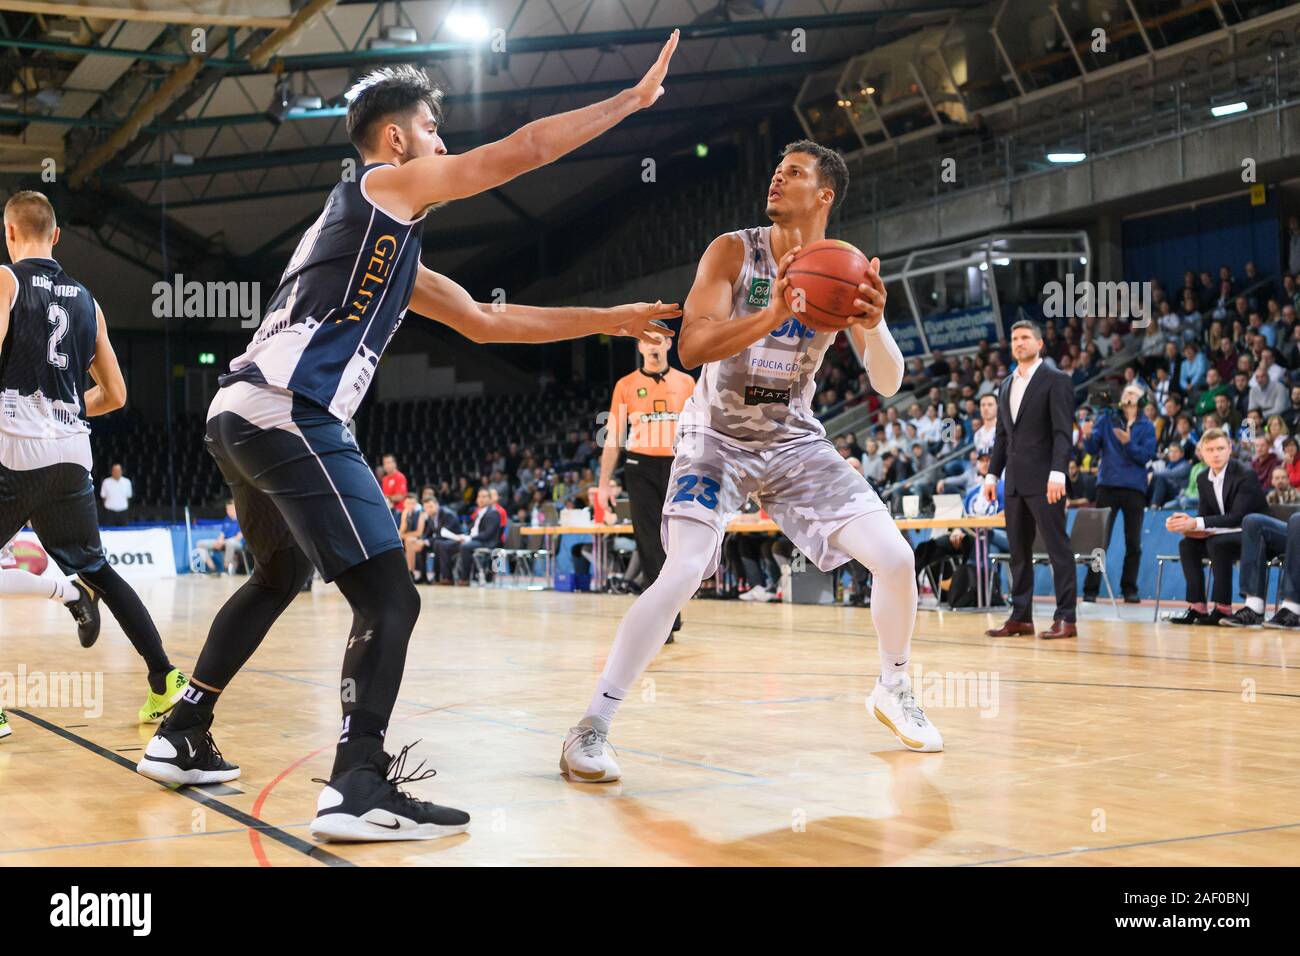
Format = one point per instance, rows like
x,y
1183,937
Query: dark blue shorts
x,y
298,479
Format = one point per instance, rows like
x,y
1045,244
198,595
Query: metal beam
x,y
497,96
176,81
301,20
187,17
333,152
538,44
576,41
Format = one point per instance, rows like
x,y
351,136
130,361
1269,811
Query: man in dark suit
x,y
484,532
1034,435
1228,491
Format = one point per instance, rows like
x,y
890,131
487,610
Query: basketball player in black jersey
x,y
304,493
52,332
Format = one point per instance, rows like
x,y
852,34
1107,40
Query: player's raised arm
x,y
445,301
109,391
708,331
428,180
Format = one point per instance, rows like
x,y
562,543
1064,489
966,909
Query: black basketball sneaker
x,y
185,757
85,611
365,804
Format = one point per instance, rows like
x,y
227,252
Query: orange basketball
x,y
824,281
29,556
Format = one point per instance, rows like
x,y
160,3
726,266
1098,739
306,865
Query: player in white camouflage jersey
x,y
749,427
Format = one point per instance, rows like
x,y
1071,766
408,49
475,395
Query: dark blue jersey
x,y
46,352
338,304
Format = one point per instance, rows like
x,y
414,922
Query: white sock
x,y
15,582
875,542
1256,604
1292,606
606,700
649,621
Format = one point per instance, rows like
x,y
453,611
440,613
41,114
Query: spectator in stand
x,y
1214,386
1277,433
1080,486
1226,493
1225,360
229,541
873,465
1207,292
1227,412
1291,460
410,529
988,427
393,482
116,493
1281,492
966,477
484,532
429,548
1169,475
1264,461
1191,375
1126,443
1269,396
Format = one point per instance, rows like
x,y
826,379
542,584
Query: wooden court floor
x,y
748,742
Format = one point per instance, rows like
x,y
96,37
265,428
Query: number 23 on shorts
x,y
707,495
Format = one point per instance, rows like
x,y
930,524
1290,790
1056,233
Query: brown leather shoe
x,y
1012,629
1059,629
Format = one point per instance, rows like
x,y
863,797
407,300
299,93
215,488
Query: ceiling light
x,y
468,25
1227,109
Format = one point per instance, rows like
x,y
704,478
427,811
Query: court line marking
x,y
1129,846
123,840
225,809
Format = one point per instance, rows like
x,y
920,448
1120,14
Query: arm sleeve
x,y
883,358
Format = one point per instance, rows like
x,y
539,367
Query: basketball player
x,y
749,428
52,332
648,401
304,493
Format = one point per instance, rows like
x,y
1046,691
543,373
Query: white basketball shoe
x,y
586,755
897,709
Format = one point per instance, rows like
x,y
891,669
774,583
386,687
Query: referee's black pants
x,y
646,480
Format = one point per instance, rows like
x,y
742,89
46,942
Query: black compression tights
x,y
131,614
384,605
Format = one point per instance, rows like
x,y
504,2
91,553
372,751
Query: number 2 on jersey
x,y
707,496
58,317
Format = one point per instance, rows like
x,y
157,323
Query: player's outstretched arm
x,y
709,333
445,301
109,391
423,182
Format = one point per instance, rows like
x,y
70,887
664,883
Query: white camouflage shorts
x,y
807,488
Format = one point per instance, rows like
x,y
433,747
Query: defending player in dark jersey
x,y
52,333
304,493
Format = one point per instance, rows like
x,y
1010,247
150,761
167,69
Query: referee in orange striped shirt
x,y
643,413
